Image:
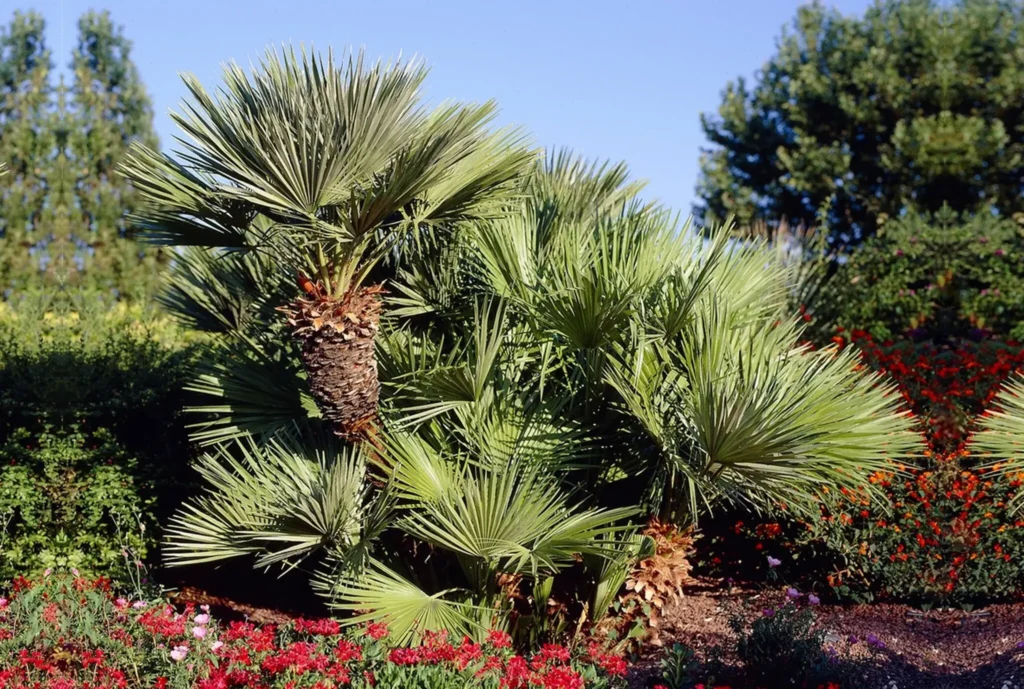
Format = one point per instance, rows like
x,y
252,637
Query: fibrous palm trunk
x,y
338,338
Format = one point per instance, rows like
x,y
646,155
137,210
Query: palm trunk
x,y
338,338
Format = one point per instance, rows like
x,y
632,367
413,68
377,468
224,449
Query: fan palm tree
x,y
1002,434
548,367
673,357
324,169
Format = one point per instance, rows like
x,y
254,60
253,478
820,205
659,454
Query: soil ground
x,y
938,649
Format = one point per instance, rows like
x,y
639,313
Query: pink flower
x,y
792,593
139,604
217,645
202,619
772,562
199,632
179,652
47,572
74,571
3,603
204,608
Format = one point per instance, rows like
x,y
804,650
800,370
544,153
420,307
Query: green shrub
x,y
679,667
71,500
93,446
782,649
940,276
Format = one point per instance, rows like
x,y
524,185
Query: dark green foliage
x,y
937,275
26,142
679,667
89,408
782,649
90,388
108,111
916,105
72,500
63,202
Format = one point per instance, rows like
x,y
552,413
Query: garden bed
x,y
938,649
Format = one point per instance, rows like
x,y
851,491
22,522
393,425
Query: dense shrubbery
x,y
939,276
92,454
69,500
941,532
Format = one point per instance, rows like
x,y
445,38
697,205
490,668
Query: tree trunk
x,y
338,339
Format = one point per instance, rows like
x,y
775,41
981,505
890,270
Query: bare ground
x,y
939,649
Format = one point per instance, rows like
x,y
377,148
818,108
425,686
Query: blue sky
x,y
624,80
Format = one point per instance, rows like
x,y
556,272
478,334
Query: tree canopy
x,y
913,106
63,203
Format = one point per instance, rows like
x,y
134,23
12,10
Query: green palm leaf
x,y
380,594
278,500
1002,433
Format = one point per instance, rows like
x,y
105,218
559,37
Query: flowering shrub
x,y
64,632
946,387
941,533
946,536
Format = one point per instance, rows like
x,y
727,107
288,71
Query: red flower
x,y
376,630
499,639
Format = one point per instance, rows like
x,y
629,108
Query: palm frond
x,y
279,500
380,594
1001,435
247,392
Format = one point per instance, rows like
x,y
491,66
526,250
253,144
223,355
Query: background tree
x,y
109,110
913,106
26,145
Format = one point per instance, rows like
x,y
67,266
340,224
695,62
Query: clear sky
x,y
619,79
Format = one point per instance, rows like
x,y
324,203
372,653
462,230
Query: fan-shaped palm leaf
x,y
277,500
392,599
1002,433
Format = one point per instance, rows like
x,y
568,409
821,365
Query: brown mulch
x,y
947,649
229,609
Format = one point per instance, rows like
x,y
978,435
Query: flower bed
x,y
941,534
64,632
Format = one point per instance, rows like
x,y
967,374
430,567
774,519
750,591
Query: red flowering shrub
x,y
948,387
942,533
66,633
